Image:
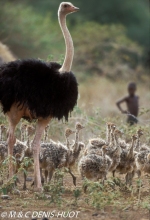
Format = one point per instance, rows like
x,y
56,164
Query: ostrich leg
x,y
14,117
42,123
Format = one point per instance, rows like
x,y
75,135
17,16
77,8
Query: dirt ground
x,y
30,205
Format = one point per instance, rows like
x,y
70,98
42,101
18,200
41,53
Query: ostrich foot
x,y
24,187
38,189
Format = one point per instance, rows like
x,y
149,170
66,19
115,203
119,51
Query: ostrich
x,y
95,144
2,130
95,167
142,161
114,151
127,162
139,147
74,151
54,155
34,89
68,132
23,128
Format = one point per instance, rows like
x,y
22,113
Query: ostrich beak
x,y
75,9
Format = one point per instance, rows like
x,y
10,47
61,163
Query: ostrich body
x,y
54,155
142,161
95,144
138,146
95,167
33,89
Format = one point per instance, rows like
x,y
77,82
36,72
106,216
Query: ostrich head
x,y
68,132
79,126
113,127
30,130
118,133
46,128
3,127
140,132
23,127
81,145
109,124
134,137
67,8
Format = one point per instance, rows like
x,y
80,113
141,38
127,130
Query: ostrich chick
x,y
142,161
68,132
95,167
115,151
54,155
2,130
97,143
127,161
137,145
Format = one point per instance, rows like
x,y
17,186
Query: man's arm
x,y
118,103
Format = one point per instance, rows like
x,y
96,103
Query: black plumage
x,y
39,86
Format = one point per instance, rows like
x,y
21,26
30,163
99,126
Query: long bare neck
x,y
76,143
112,138
66,67
117,148
23,134
107,135
137,145
131,149
67,143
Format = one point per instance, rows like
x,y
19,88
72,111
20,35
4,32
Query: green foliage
x,y
8,184
30,34
76,194
102,36
56,189
134,15
99,195
109,50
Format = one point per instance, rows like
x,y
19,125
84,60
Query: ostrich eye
x,y
65,6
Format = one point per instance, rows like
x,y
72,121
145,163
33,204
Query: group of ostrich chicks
x,y
95,160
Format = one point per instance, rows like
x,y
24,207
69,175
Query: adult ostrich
x,y
33,89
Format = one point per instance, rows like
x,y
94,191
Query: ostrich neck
x,y
108,136
117,144
23,136
112,138
67,143
131,149
28,140
137,144
75,146
66,67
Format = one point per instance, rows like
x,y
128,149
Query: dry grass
x,y
5,54
102,93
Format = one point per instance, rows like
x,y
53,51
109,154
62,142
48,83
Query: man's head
x,y
131,88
